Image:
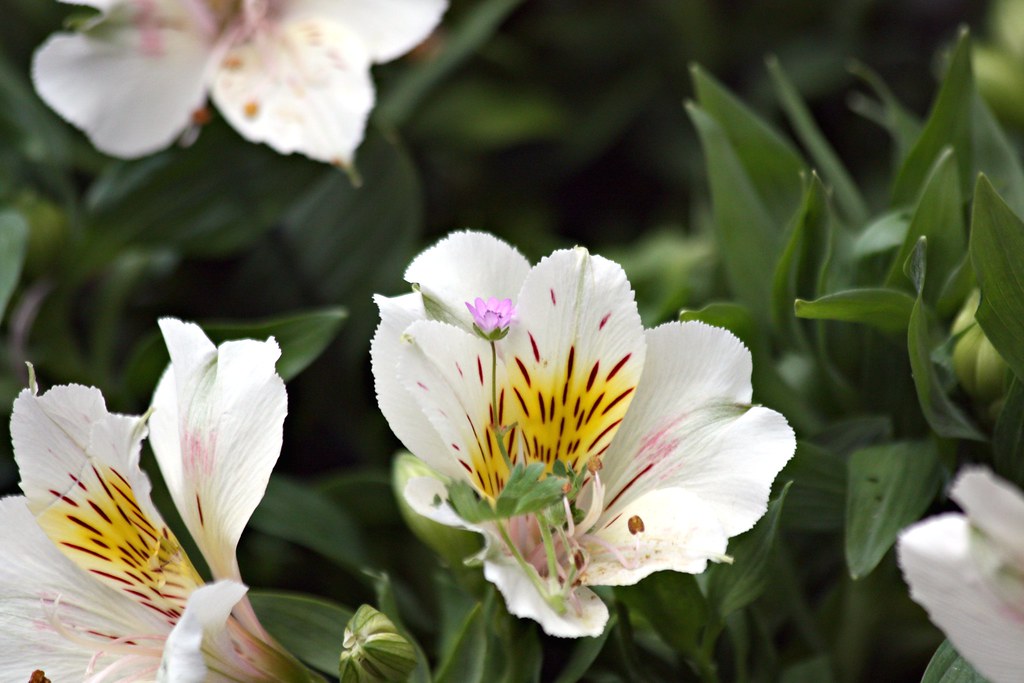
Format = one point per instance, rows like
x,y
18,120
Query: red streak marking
x,y
600,436
422,386
593,374
118,475
522,402
456,446
618,366
604,320
533,343
466,466
84,525
522,369
99,511
553,301
199,509
67,500
618,398
571,363
626,487
459,368
480,370
86,551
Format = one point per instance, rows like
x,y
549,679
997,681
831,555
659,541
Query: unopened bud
x,y
454,545
980,369
373,650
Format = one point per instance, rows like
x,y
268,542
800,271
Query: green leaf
x,y
938,217
997,243
996,156
770,162
298,513
529,489
887,310
180,198
1008,437
888,112
848,197
673,605
13,242
807,250
302,338
466,658
733,586
942,414
949,124
819,489
889,486
947,666
584,654
311,628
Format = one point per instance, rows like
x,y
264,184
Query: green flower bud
x,y
373,650
454,545
48,230
980,369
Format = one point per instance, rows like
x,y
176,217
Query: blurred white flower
x,y
967,571
663,456
94,585
294,74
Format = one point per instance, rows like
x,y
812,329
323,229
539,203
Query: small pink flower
x,y
493,316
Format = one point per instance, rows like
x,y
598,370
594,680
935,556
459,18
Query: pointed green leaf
x,y
848,197
749,237
309,627
947,666
298,513
798,270
996,156
948,125
887,310
819,489
733,586
465,660
13,242
673,604
1008,438
888,112
942,414
889,486
939,217
997,246
771,163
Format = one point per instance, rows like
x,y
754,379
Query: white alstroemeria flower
x,y
294,74
967,571
94,585
656,424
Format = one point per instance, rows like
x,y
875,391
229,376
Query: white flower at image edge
x,y
94,586
659,421
967,571
294,74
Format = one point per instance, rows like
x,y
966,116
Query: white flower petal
x,y
389,28
428,496
80,471
680,533
937,562
573,357
132,90
400,408
689,427
33,575
993,506
463,266
217,433
204,622
586,617
448,373
303,87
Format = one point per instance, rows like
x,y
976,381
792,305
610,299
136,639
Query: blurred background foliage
x,y
553,122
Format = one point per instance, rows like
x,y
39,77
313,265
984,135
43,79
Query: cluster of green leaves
x,y
847,309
